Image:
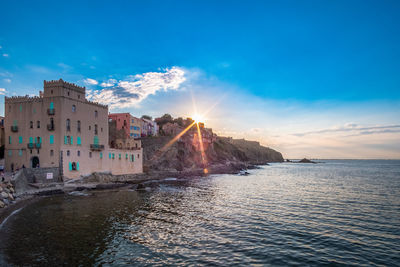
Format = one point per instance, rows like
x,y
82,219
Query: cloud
x,y
64,66
7,80
135,88
3,91
359,130
6,55
89,81
109,83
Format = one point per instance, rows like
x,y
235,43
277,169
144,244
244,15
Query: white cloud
x,y
7,80
109,83
135,88
3,91
6,55
89,81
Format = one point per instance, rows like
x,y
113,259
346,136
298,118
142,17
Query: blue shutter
x,y
40,140
51,105
51,139
72,139
101,155
20,139
70,166
65,140
77,166
31,140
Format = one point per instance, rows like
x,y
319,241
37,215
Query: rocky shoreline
x,y
107,181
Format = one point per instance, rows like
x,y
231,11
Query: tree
x,y
147,117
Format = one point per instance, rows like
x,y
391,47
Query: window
x,y
68,125
20,152
113,155
38,140
95,114
51,152
95,129
31,124
138,155
68,139
79,126
20,139
51,91
73,165
10,152
73,108
51,123
133,121
68,153
101,129
119,156
67,93
38,151
38,124
79,153
31,151
101,155
90,154
79,96
51,139
9,140
90,127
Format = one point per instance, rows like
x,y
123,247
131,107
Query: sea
x,y
336,213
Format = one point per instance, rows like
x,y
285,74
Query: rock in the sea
x,y
4,195
2,205
306,161
10,196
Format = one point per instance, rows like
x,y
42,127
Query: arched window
x,y
38,124
95,114
73,166
31,124
73,108
79,126
68,153
51,123
68,125
95,129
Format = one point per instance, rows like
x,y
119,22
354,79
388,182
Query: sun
x,y
198,118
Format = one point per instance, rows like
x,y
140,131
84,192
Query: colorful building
x,y
130,124
61,129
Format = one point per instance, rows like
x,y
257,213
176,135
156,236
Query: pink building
x,y
130,124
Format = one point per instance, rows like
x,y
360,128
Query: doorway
x,y
35,162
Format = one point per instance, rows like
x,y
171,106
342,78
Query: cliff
x,y
185,153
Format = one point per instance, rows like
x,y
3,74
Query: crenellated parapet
x,y
21,99
96,104
63,84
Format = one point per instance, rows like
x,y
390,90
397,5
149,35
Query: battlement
x,y
19,99
64,84
96,104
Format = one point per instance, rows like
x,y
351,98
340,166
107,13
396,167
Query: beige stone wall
x,y
69,104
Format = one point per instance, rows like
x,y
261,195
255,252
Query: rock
x,y
50,192
12,190
4,195
6,201
306,161
2,205
10,196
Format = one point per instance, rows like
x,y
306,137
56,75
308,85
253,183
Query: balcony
x,y
51,111
34,145
96,147
14,128
50,127
38,145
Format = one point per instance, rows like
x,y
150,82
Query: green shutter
x,y
72,139
70,166
77,166
113,155
20,107
20,139
10,153
109,155
15,123
119,156
65,140
51,105
78,141
9,140
20,152
101,155
126,156
51,139
31,140
40,140
96,140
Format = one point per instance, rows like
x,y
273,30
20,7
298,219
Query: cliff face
x,y
185,153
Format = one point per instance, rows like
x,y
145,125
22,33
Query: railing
x,y
31,145
96,147
51,111
14,128
38,145
50,127
34,145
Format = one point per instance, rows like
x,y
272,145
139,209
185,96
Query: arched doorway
x,y
35,162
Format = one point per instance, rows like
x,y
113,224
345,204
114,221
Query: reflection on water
x,y
343,212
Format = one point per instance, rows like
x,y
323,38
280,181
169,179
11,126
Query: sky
x,y
316,79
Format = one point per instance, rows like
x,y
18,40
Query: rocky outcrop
x,y
185,154
7,194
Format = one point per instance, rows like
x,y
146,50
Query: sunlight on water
x,y
340,212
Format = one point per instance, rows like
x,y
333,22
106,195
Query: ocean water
x,y
336,213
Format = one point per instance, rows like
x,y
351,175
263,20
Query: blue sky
x,y
304,77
